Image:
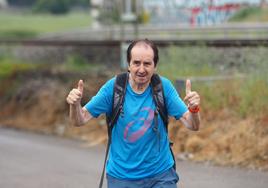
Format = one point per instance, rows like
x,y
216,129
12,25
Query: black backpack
x,y
118,102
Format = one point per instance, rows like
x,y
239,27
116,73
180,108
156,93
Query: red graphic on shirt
x,y
135,135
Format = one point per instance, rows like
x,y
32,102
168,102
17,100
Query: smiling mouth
x,y
141,76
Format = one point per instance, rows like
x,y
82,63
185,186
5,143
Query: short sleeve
x,y
102,101
175,105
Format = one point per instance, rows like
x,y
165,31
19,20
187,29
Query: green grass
x,y
242,96
186,61
254,99
250,14
207,61
26,24
74,63
79,64
9,65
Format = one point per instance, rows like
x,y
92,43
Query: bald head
x,y
145,43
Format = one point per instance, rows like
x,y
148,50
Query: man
x,y
138,157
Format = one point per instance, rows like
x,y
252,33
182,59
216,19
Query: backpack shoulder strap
x,y
118,101
158,96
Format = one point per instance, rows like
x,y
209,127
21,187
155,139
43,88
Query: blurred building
x,y
195,12
192,12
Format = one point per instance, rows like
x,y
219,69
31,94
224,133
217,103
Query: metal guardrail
x,y
225,31
160,43
167,32
219,36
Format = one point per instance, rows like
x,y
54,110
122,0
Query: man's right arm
x,y
78,115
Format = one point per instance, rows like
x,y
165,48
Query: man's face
x,y
141,64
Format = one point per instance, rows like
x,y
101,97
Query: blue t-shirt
x,y
137,151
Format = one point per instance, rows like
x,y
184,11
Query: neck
x,y
138,88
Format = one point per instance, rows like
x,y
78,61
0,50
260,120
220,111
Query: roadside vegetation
x,y
234,111
240,77
251,14
27,25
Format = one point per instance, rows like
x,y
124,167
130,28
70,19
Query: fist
x,y
192,98
75,95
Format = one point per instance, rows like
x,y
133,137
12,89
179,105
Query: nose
x,y
141,69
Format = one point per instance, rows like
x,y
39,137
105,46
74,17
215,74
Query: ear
x,y
128,67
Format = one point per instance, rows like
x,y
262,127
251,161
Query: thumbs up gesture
x,y
76,94
192,98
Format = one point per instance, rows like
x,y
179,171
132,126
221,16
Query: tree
x,y
21,2
52,6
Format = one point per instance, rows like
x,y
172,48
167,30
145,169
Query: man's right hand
x,y
76,94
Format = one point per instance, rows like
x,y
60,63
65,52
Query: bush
x,y
28,3
21,2
52,6
9,65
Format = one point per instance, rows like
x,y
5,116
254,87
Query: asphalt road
x,y
30,160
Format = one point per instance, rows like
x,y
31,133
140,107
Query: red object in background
x,y
227,7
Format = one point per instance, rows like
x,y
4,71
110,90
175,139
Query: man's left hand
x,y
192,98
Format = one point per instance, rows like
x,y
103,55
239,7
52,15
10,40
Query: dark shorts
x,y
166,179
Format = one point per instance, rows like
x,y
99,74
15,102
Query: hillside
x,y
34,99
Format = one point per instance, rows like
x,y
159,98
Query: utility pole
x,y
127,16
95,6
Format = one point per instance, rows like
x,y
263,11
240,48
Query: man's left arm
x,y
191,118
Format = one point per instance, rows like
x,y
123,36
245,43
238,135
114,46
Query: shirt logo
x,y
137,128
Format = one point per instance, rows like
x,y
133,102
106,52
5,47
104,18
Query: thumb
x,y
81,86
188,86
